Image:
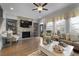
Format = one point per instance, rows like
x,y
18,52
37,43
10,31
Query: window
x,y
74,28
74,25
60,26
49,26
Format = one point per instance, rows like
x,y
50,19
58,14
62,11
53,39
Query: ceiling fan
x,y
40,7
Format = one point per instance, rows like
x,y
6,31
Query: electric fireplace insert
x,y
25,34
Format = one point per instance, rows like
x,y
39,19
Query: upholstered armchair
x,y
47,37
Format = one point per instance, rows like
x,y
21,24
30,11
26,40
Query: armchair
x,y
47,37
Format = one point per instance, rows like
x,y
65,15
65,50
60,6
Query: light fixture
x,y
40,8
11,8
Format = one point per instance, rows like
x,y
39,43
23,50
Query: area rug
x,y
37,53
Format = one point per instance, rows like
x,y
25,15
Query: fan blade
x,y
34,9
45,9
39,4
35,4
44,4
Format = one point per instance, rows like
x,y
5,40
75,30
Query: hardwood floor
x,y
21,48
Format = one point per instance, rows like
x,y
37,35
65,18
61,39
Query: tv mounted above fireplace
x,y
25,23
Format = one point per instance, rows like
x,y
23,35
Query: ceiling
x,y
25,9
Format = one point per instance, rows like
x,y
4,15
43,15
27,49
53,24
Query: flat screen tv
x,y
25,23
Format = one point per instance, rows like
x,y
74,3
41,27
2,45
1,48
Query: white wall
x,y
0,42
3,26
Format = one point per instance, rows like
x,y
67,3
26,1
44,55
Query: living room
x,y
39,29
